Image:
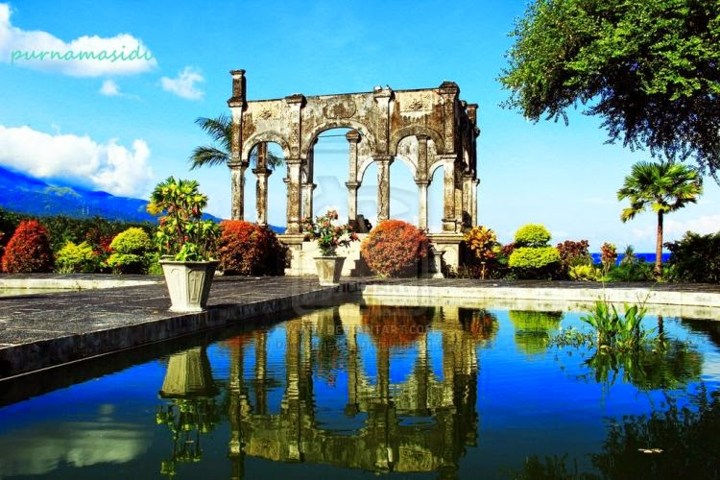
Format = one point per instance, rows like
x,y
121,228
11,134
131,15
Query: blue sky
x,y
123,126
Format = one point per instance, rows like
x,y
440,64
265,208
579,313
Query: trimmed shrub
x,y
73,258
532,235
246,248
535,262
394,248
696,258
28,250
585,272
131,251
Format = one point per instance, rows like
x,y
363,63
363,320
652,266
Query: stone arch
x,y
312,136
265,136
415,130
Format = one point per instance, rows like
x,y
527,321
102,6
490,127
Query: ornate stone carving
x,y
340,108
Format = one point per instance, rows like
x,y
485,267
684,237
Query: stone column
x,y
237,189
476,184
306,177
353,138
468,218
307,200
237,165
261,190
422,180
353,188
261,371
448,220
422,199
295,104
383,198
294,195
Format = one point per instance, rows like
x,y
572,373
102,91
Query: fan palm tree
x,y
664,187
220,130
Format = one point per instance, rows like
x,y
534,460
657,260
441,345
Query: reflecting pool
x,y
356,391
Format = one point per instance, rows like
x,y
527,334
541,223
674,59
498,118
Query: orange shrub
x,y
28,250
249,249
394,247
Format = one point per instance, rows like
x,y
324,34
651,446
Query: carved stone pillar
x,y
476,184
353,138
422,181
353,188
468,218
293,195
422,204
237,166
237,189
261,190
448,220
383,198
307,200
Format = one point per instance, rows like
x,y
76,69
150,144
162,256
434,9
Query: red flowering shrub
x,y
28,250
246,248
394,247
573,254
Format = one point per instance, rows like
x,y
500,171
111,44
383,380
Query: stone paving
x,y
48,329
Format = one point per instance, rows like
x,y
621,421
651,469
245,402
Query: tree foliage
x,y
28,251
664,188
218,153
648,68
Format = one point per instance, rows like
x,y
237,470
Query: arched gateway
x,y
431,128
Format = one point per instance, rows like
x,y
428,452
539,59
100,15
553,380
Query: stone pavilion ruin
x,y
426,129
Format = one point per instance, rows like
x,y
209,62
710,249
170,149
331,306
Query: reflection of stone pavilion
x,y
419,425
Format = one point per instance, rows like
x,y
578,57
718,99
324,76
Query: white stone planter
x,y
329,269
188,283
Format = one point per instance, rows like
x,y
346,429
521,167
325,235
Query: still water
x,y
358,391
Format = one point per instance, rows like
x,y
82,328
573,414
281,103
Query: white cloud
x,y
703,225
86,56
110,88
184,85
78,160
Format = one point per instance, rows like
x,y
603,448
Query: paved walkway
x,y
50,329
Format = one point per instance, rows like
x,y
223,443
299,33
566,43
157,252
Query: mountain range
x,y
25,194
22,193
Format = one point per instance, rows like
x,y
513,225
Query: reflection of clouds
x,y
42,447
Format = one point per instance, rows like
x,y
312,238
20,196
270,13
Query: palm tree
x,y
664,187
220,129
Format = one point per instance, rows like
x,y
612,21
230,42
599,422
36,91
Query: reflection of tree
x,y
533,329
677,442
192,410
392,326
480,323
650,366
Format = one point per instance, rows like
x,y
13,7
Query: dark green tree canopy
x,y
648,68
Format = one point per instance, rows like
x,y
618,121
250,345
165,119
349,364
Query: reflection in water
x,y
670,443
421,424
533,330
101,439
192,410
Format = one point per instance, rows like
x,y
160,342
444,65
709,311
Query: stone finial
x,y
238,89
449,88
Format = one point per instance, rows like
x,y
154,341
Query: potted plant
x,y
329,237
186,243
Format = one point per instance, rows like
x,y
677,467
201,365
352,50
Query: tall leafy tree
x,y
647,68
663,187
218,153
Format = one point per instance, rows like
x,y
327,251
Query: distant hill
x,y
22,193
25,194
